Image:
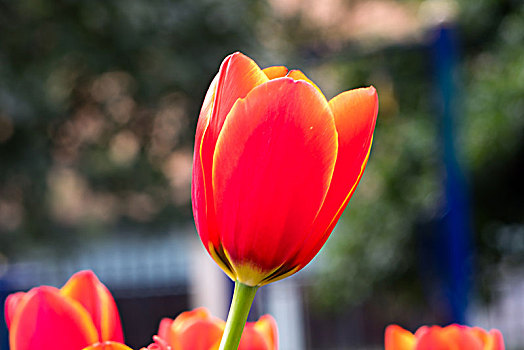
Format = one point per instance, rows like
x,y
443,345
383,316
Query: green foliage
x,y
374,253
98,102
493,141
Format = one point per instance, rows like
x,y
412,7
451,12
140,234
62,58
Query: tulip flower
x,y
108,345
159,344
274,166
199,330
79,314
443,338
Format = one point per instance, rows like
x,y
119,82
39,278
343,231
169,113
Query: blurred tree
x,y
376,255
493,137
98,102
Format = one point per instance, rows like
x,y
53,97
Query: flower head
x,y
275,165
443,338
82,313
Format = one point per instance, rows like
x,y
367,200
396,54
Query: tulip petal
x,y
252,340
448,338
186,317
495,340
397,338
85,288
108,345
463,337
195,330
267,327
298,75
200,335
275,72
197,183
434,341
355,114
11,306
271,170
238,75
159,344
164,327
421,331
481,334
47,320
491,340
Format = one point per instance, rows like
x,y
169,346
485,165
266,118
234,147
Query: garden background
x,y
98,106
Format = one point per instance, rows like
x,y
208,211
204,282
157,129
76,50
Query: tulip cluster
x,y
83,315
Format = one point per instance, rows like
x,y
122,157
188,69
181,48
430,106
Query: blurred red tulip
x,y
82,313
108,345
198,330
275,164
159,344
259,335
453,337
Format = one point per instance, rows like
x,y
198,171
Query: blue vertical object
x,y
4,336
455,249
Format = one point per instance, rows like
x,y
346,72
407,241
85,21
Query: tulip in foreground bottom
x,y
78,315
199,330
453,337
109,345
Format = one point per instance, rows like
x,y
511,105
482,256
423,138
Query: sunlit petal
x,y
238,75
275,72
397,338
48,320
299,75
495,340
267,327
355,114
11,305
85,288
281,131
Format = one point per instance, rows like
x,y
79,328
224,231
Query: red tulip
x,y
275,165
159,344
262,334
453,337
108,345
198,330
82,313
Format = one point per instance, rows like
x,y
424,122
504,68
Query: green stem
x,y
236,320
